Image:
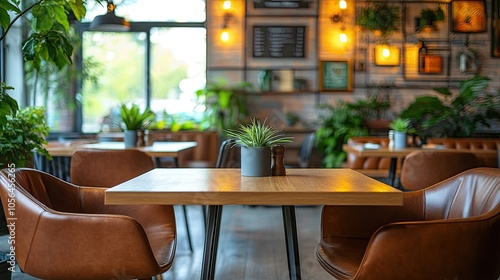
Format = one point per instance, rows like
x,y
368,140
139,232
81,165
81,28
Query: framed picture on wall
x,y
495,29
468,16
335,76
282,7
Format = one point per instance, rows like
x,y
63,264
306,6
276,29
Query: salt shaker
x,y
278,156
391,139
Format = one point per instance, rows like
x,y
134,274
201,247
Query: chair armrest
x,y
363,221
92,201
463,248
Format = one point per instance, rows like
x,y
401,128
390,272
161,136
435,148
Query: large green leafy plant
x,y
338,124
225,105
380,16
23,131
455,114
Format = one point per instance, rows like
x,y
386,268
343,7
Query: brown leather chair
x,y
450,230
63,231
108,168
422,169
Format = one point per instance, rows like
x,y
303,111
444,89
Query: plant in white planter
x,y
133,121
256,140
401,128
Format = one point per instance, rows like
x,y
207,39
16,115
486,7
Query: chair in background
x,y
229,155
422,169
64,231
108,168
306,150
447,231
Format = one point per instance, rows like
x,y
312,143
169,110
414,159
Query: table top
x,y
360,150
225,186
158,149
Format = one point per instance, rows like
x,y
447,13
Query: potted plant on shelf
x,y
134,120
401,129
256,140
380,17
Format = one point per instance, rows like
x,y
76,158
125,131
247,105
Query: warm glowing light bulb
x,y
343,37
224,36
386,52
343,4
226,5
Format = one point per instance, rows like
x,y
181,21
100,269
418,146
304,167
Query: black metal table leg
x,y
211,242
292,244
188,232
391,178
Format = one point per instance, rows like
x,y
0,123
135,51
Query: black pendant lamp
x,y
110,22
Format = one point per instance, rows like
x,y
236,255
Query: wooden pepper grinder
x,y
278,156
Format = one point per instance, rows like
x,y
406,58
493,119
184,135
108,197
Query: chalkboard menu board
x,y
279,41
281,4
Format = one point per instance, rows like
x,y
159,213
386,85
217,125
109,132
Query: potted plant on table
x,y
134,120
256,140
401,128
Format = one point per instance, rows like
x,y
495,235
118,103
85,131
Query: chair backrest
x,y
422,169
108,168
229,155
306,150
471,193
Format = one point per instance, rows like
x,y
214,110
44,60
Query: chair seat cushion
x,y
341,257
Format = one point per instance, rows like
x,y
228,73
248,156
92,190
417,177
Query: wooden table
x,y
157,150
394,154
218,187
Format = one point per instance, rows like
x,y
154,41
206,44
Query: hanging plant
x,y
380,17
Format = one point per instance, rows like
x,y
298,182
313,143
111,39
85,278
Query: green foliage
x,y
402,125
257,134
225,105
8,105
134,119
339,123
380,16
455,115
49,28
23,132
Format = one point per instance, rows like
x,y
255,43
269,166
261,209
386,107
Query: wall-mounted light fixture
x,y
339,18
226,6
386,55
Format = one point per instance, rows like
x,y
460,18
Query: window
x,y
171,34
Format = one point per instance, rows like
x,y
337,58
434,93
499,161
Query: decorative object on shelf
x,y
427,19
381,17
401,128
428,63
134,120
469,16
468,58
386,55
455,115
256,140
265,80
335,76
109,21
